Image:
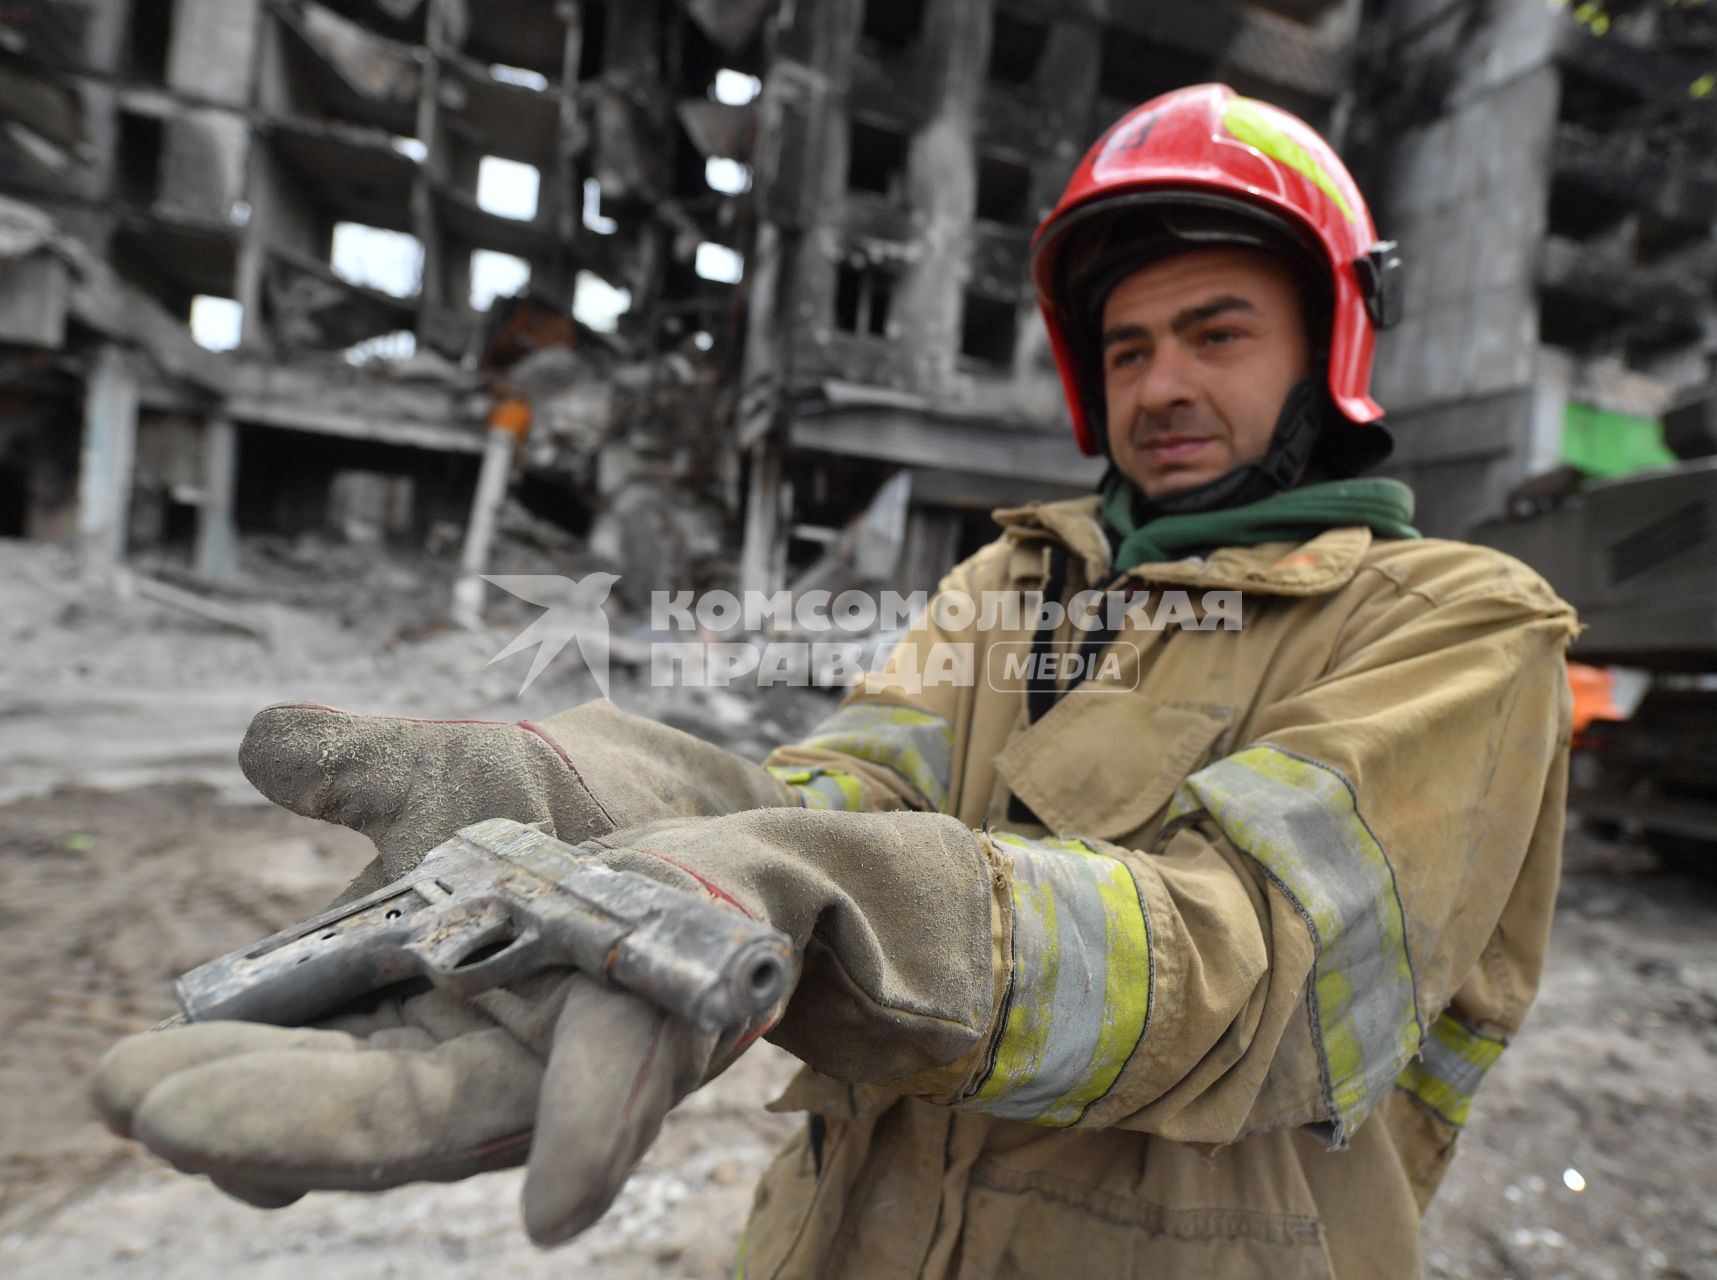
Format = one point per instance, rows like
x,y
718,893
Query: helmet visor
x,y
1119,237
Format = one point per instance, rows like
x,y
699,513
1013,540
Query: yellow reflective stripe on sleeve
x,y
1451,1063
915,744
820,788
1300,821
1080,994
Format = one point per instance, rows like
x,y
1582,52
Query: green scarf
x,y
1385,506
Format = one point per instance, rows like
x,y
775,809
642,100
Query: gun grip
x,y
477,946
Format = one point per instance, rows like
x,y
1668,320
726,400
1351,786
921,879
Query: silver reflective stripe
x,y
1080,993
1300,821
1451,1063
819,788
915,744
1449,1067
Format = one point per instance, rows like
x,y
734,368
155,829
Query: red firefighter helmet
x,y
1203,165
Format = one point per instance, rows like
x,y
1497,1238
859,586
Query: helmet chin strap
x,y
1305,411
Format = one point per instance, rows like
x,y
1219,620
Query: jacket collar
x,y
1316,567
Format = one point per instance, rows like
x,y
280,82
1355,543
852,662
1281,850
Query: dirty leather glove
x,y
429,1087
558,1068
410,784
899,921
894,919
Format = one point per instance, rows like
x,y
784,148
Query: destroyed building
x,y
387,212
1553,183
758,270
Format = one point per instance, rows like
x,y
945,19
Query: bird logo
x,y
572,610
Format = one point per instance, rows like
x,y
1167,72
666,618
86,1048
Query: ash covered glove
x,y
987,970
894,919
410,784
571,1074
427,1087
900,921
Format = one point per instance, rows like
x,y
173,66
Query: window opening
x,y
719,263
519,77
735,88
216,323
138,175
1016,48
876,159
598,304
496,275
1004,190
151,40
892,25
594,219
390,261
729,177
863,295
507,188
592,40
987,329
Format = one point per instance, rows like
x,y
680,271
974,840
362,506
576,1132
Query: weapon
x,y
499,901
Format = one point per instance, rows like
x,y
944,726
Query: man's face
x,y
1199,352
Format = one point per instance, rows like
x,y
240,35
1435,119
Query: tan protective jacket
x,y
1343,821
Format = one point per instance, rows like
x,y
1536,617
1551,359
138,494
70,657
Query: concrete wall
x,y
213,49
1464,191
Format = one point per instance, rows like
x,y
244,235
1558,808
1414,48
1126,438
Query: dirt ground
x,y
130,851
108,895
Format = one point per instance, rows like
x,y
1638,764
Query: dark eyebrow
x,y
1209,311
1185,320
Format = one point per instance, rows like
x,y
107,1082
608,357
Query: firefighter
x,y
1188,968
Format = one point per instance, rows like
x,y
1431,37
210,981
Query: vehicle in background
x,y
1637,556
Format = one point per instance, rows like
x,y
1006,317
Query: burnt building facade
x,y
911,148
1553,184
347,200
759,269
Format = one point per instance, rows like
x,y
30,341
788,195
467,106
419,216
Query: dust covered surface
x,y
1614,1077
110,895
131,850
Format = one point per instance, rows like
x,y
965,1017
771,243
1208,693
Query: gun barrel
x,y
703,963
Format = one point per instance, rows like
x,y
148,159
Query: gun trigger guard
x,y
477,949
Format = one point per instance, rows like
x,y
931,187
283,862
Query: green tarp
x,y
1600,443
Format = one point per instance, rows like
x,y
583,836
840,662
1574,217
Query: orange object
x,y
1594,695
511,415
